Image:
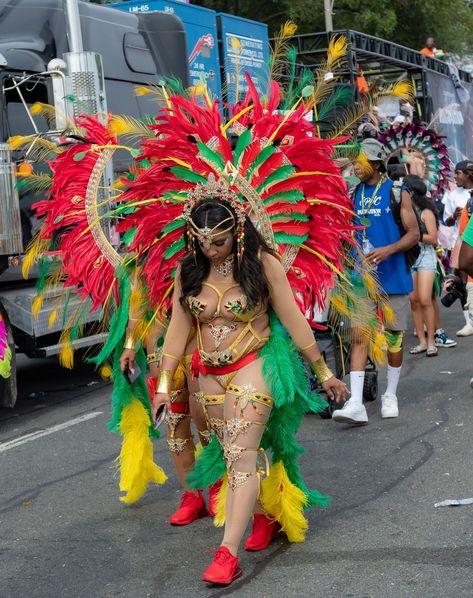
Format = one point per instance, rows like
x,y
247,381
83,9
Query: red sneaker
x,y
213,493
264,530
192,507
223,569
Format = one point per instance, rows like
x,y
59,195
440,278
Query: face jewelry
x,y
225,268
220,190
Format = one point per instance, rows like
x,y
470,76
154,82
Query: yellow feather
x,y
34,250
66,353
388,313
129,126
198,450
219,519
337,50
37,304
370,283
403,90
105,372
285,502
364,163
289,28
339,305
52,318
17,141
378,355
142,91
137,468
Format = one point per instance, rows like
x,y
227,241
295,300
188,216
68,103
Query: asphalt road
x,y
64,532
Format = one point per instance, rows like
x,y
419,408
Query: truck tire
x,y
8,386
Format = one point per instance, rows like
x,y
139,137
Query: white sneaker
x,y
467,330
351,413
389,406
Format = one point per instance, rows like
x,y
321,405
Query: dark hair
x,y
249,273
418,190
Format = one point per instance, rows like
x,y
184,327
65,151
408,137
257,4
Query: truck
x,y
52,50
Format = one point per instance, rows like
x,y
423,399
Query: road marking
x,y
6,446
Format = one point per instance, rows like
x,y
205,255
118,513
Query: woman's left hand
x,y
336,389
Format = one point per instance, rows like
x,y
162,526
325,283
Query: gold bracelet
x,y
153,357
171,356
130,342
312,344
321,370
165,382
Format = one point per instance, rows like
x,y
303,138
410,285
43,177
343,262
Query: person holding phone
x,y
184,408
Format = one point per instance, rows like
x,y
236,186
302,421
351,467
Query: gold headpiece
x,y
214,189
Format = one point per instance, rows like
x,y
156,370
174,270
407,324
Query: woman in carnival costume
x,y
186,212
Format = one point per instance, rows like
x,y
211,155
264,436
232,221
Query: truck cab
x,y
120,51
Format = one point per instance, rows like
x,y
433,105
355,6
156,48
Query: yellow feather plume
x,y
289,28
280,47
219,519
35,248
52,318
403,90
18,141
337,49
142,91
137,468
129,126
37,304
389,316
378,355
66,354
339,305
285,502
370,283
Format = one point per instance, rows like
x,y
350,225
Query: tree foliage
x,y
407,22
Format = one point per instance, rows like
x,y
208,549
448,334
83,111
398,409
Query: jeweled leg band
x,y
249,395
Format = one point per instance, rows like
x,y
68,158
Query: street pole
x,y
74,32
328,5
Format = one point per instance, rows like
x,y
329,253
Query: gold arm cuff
x,y
165,382
312,344
321,370
130,342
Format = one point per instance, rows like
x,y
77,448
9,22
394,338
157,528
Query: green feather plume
x,y
209,466
187,175
243,142
210,155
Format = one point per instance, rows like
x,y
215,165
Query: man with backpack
x,y
390,230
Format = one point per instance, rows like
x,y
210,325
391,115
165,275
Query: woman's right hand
x,y
160,398
127,360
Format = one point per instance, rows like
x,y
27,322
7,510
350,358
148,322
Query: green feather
x,y
287,239
129,235
293,215
210,155
209,466
341,98
279,174
243,142
287,378
174,225
119,319
187,175
260,159
174,248
290,196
